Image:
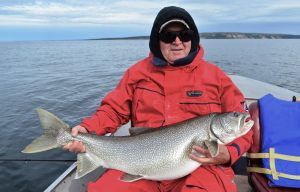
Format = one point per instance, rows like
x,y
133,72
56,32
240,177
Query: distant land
x,y
221,35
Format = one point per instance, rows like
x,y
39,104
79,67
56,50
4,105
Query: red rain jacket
x,y
152,96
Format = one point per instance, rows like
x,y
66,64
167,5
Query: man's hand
x,y
76,146
222,158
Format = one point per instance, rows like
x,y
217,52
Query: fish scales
x,y
157,151
160,154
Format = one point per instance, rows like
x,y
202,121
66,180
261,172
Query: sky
x,y
22,20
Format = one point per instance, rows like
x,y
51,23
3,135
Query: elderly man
x,y
171,85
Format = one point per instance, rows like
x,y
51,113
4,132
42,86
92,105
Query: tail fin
x,y
51,125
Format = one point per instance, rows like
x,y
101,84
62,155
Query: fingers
x,y
202,151
222,158
204,156
67,146
75,147
202,160
78,129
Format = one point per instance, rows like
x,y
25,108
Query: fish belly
x,y
175,172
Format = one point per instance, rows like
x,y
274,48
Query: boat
x,y
252,90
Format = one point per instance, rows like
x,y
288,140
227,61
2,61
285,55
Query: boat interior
x,y
246,182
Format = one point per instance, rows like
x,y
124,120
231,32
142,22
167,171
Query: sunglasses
x,y
170,36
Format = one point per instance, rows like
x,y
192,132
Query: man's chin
x,y
177,56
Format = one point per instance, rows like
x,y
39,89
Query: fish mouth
x,y
247,124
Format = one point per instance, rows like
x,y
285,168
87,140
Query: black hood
x,y
167,14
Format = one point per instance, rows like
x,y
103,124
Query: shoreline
x,y
218,35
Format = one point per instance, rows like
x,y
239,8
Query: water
x,y
69,78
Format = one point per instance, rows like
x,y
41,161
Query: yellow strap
x,y
258,155
288,176
259,170
268,171
287,157
272,171
276,155
272,164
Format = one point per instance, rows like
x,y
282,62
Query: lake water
x,y
69,78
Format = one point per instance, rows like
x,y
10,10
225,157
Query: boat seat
x,y
259,182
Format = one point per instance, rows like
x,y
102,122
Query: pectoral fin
x,y
126,177
212,147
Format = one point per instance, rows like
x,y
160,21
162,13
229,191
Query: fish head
x,y
226,127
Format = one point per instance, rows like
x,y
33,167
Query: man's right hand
x,y
76,146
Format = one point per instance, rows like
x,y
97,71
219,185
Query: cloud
x,y
129,12
267,11
85,13
13,20
45,9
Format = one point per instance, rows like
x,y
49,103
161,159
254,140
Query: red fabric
x,y
207,178
111,182
153,96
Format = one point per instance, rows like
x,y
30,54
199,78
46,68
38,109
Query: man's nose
x,y
177,40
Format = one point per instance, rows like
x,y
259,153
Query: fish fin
x,y
213,147
50,122
140,130
42,143
126,177
86,163
51,126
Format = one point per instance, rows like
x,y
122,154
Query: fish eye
x,y
235,114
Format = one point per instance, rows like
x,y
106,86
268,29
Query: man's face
x,y
176,49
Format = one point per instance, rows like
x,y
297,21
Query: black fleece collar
x,y
179,62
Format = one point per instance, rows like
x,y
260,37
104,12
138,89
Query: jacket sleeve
x,y
114,109
233,100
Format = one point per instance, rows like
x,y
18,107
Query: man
x,y
171,85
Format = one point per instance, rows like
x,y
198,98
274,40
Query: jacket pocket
x,y
147,105
198,102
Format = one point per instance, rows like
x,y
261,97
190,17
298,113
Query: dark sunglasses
x,y
170,36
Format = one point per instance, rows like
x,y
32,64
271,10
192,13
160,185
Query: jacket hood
x,y
165,15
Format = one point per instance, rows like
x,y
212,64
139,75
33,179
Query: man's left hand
x,y
222,158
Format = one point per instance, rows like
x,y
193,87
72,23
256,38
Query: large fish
x,y
160,154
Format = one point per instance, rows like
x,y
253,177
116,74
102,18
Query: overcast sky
x,y
82,19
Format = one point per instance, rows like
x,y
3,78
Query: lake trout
x,y
154,154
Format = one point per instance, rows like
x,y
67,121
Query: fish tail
x,y
52,126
